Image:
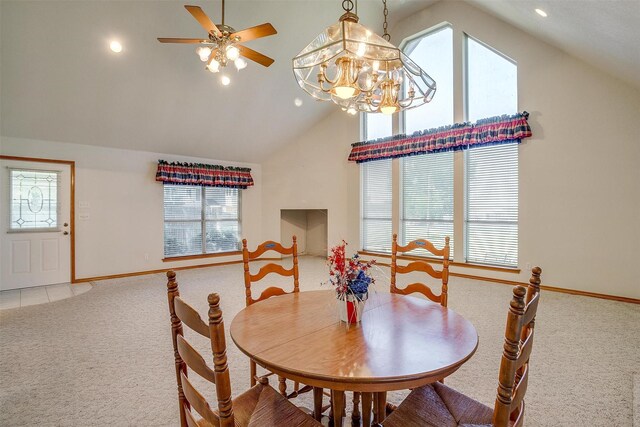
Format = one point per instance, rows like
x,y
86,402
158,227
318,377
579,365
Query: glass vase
x,y
351,306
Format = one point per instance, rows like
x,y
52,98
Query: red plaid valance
x,y
461,136
206,175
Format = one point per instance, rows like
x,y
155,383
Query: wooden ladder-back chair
x,y
260,405
422,266
438,405
249,278
272,291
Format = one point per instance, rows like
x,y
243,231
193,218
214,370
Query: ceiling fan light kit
x,y
223,44
361,71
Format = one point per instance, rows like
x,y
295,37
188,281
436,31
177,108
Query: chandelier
x,y
360,71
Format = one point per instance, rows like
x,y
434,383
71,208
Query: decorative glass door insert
x,y
34,200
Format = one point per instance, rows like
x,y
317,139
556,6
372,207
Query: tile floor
x,y
40,295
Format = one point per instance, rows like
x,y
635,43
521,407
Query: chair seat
x,y
437,405
261,405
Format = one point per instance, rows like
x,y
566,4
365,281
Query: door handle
x,y
65,233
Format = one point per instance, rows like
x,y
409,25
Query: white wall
x,y
126,205
312,172
579,174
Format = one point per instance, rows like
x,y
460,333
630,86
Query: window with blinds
x,y
375,184
426,209
427,199
376,206
491,173
200,220
492,205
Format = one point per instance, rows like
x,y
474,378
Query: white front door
x,y
35,224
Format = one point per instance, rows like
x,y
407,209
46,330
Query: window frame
x,y
461,105
465,68
465,99
203,224
407,46
413,40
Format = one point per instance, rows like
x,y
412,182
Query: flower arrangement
x,y
349,276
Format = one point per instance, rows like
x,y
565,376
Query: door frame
x,y
72,198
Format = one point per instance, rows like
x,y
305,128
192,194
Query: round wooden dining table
x,y
402,342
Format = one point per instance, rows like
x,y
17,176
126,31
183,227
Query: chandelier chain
x,y
347,5
386,34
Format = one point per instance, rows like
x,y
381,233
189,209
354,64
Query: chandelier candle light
x,y
359,70
351,280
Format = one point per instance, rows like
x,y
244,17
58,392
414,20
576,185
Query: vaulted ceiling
x,y
604,33
60,81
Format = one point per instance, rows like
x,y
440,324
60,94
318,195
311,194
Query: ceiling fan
x,y
223,42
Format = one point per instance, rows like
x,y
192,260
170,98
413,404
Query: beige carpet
x,y
105,357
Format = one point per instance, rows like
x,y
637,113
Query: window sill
x,y
188,257
437,261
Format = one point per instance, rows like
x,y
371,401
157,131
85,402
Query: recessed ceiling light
x,y
225,80
298,102
115,46
541,13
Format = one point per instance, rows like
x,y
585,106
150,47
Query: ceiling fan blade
x,y
203,19
255,56
256,32
175,40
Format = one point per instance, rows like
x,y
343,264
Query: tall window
x,y
491,217
427,180
433,52
200,220
376,190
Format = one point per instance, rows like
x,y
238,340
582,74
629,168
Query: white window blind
x,y
491,219
492,205
200,220
375,190
376,206
427,199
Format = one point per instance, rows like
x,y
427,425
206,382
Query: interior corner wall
x,y
126,222
316,233
312,172
310,228
293,223
579,193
